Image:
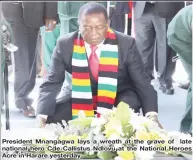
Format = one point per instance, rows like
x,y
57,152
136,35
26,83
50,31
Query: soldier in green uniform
x,y
180,39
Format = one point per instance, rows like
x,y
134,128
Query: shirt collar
x,y
88,45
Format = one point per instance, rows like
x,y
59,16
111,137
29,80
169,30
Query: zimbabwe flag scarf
x,y
82,98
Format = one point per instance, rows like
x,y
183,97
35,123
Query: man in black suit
x,y
151,19
127,73
117,16
25,19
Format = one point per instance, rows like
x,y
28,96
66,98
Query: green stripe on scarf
x,y
107,87
81,88
109,54
78,56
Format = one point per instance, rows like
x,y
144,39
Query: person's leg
x,y
48,43
24,58
164,54
43,67
130,97
38,53
145,38
63,112
25,63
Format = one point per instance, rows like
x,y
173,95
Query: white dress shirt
x,y
98,52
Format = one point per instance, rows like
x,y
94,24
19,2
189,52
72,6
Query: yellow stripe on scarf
x,y
110,30
79,49
105,93
87,113
109,61
81,82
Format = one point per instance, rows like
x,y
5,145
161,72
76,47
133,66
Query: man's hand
x,y
41,122
50,24
155,119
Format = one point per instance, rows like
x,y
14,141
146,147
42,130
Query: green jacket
x,y
68,9
179,34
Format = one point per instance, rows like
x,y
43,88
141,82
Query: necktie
x,y
94,67
94,62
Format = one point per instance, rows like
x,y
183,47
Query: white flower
x,y
91,152
119,158
153,126
64,123
144,155
141,123
104,112
179,139
119,130
98,122
116,137
114,109
136,121
99,137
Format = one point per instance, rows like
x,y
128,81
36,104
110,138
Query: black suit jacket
x,y
131,76
117,16
32,13
168,9
163,9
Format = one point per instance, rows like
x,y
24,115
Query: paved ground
x,y
171,107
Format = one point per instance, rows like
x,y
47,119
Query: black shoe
x,y
28,112
167,90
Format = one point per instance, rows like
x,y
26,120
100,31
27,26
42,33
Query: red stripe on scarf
x,y
108,68
111,35
82,106
79,42
105,100
79,75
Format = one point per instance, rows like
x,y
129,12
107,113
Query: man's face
x,y
93,28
